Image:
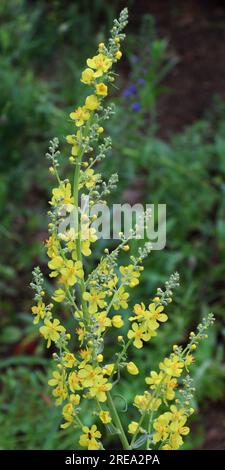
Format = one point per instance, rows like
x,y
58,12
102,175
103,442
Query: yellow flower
x,y
92,102
81,333
149,317
132,368
58,380
71,272
55,264
89,178
80,115
101,63
52,246
60,393
130,275
175,441
62,195
88,375
103,321
74,382
108,369
120,299
99,389
89,438
170,384
71,139
74,399
68,413
85,354
189,360
161,427
105,417
146,402
156,314
95,299
59,295
178,426
117,321
172,366
87,76
132,427
51,330
138,334
101,89
39,311
154,379
118,55
69,360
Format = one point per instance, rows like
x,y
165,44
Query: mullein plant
x,y
96,300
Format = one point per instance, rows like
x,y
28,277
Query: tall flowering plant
x,y
96,300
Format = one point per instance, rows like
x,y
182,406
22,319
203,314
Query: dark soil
x,y
213,418
195,30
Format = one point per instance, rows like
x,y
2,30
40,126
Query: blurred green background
x,y
169,147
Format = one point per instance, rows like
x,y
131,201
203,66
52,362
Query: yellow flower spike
x,y
132,368
101,89
92,296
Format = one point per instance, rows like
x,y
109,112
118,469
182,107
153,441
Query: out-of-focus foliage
x,y
42,48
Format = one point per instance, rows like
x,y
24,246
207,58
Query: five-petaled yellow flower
x,y
51,330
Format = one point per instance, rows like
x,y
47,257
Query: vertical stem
x,y
117,422
76,204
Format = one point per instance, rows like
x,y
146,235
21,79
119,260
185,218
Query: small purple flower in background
x,y
141,81
129,91
136,106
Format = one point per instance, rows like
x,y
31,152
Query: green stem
x,y
76,204
117,422
152,397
